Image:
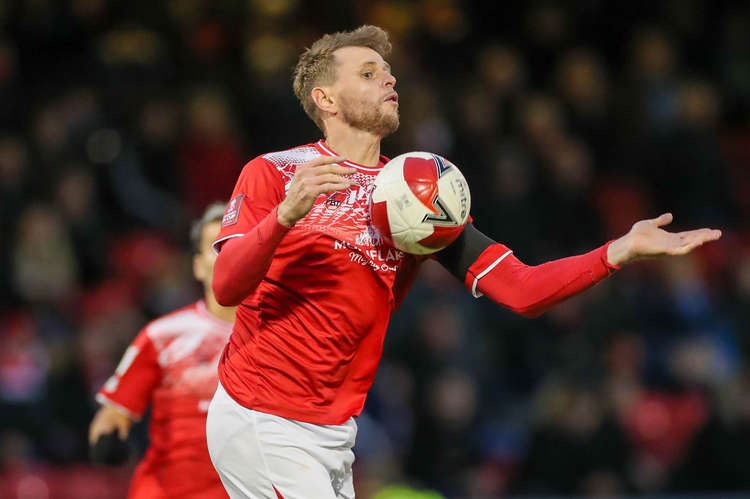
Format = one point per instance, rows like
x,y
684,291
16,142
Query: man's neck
x,y
213,307
355,145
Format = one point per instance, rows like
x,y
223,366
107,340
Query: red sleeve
x,y
258,191
130,388
250,233
531,290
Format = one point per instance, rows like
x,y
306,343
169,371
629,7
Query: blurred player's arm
x,y
244,260
489,268
124,398
108,420
108,435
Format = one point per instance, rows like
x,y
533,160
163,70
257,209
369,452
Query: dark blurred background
x,y
120,121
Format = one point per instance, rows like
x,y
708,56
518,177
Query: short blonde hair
x,y
316,64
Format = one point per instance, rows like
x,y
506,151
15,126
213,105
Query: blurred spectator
x,y
14,188
582,82
577,448
502,70
653,67
542,122
76,197
44,265
8,83
24,365
715,460
660,425
210,156
158,126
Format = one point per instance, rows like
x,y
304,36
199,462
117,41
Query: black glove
x,y
109,449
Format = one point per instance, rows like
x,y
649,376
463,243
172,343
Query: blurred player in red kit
x,y
171,364
316,286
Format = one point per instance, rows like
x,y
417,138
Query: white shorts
x,y
260,455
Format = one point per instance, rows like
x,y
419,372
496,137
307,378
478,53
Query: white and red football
x,y
420,202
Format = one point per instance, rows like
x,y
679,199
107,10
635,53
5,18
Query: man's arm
x,y
124,398
243,261
489,268
108,420
108,433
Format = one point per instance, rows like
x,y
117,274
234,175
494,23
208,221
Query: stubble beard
x,y
364,116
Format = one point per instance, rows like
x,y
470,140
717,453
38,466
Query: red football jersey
x,y
307,342
172,365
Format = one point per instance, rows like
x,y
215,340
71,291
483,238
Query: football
x,y
420,202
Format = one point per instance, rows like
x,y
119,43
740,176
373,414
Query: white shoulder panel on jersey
x,y
174,323
178,334
287,161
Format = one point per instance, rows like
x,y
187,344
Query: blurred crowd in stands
x,y
121,121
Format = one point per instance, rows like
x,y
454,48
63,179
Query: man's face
x,y
203,262
364,90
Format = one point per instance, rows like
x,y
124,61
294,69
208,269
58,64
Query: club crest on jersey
x,y
232,213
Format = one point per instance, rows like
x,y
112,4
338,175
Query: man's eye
x,y
367,74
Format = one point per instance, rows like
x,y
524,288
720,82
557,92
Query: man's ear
x,y
324,99
198,271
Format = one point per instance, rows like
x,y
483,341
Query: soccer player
x,y
171,365
316,287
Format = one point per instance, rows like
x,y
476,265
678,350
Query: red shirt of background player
x,y
312,355
172,365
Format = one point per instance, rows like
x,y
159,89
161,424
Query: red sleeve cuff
x,y
488,260
242,264
278,230
611,268
105,399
